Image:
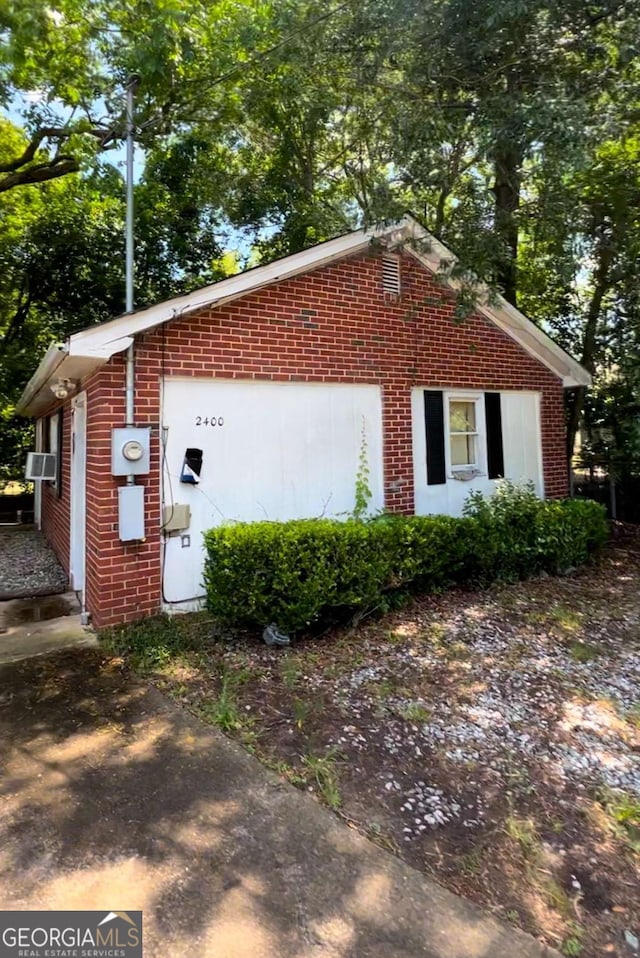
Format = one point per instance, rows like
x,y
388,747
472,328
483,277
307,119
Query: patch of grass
x,y
457,651
249,737
290,672
633,715
224,710
380,838
339,667
153,643
471,862
436,633
623,812
583,651
566,619
322,768
305,710
572,945
413,712
285,770
380,691
524,832
561,616
302,709
556,897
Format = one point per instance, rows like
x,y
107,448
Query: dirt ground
x,y
491,740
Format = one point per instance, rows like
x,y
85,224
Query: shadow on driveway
x,y
113,798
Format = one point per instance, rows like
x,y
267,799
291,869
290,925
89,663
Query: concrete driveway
x,y
113,798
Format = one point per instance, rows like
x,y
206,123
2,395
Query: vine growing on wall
x,y
363,489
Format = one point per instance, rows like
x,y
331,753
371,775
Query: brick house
x,y
258,396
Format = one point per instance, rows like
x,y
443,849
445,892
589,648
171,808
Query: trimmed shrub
x,y
308,571
520,535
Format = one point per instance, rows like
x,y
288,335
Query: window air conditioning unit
x,y
41,465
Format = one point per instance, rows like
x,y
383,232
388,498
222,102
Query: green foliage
x,y
511,127
62,262
520,535
363,489
322,769
301,573
623,810
154,642
223,710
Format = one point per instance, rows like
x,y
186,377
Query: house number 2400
x,y
205,421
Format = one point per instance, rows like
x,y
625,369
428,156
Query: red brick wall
x,y
122,579
332,325
55,509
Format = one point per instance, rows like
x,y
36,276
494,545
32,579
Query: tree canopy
x,y
510,127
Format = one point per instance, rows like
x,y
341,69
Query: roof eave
x,y
49,364
58,363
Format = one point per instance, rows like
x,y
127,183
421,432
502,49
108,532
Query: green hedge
x,y
300,573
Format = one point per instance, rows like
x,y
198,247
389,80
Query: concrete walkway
x,y
22,638
113,798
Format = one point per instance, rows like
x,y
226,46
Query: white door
x,y
78,490
269,451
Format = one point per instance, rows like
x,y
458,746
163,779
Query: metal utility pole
x,y
131,90
129,264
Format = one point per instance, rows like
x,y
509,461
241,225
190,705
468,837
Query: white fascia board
x,y
58,363
109,336
507,317
99,343
99,351
48,366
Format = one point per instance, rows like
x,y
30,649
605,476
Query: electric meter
x,y
133,450
130,451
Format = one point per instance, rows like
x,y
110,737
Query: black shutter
x,y
434,425
495,454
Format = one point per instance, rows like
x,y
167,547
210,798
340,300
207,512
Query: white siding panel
x,y
521,438
284,451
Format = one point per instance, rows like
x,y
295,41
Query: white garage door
x,y
269,451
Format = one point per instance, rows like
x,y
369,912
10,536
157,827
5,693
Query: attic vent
x,y
41,465
391,274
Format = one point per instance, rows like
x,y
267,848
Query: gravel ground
x,y
28,566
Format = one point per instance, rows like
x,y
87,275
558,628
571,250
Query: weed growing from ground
x,y
322,768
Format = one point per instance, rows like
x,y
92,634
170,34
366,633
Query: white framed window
x,y
465,434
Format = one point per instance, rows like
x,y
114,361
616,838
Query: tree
x,y
289,122
62,262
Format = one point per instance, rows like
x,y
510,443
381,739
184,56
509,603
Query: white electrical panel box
x,y
176,517
130,513
130,451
